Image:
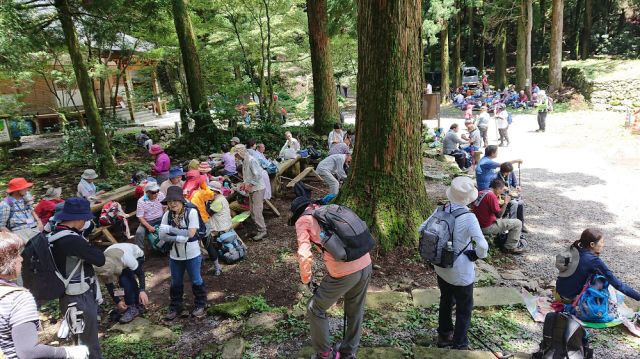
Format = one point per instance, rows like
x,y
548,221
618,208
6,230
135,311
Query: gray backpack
x,y
437,231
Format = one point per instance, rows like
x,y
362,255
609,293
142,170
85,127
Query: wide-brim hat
x,y
151,187
462,191
571,266
18,184
298,205
112,267
52,193
234,139
204,167
175,172
174,193
155,149
215,186
74,209
89,174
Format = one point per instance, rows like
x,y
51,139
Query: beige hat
x,y
567,262
89,174
52,193
151,187
112,267
462,191
242,151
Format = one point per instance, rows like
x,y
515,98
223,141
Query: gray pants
x,y
354,288
257,207
514,226
334,185
485,136
86,303
542,119
142,231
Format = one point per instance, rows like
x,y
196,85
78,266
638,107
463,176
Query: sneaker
x,y
501,144
198,312
141,309
508,144
444,340
217,271
517,251
345,356
173,314
129,315
539,130
332,355
522,242
260,236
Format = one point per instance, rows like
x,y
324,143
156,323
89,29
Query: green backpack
x,y
156,243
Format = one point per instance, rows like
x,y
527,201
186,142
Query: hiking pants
x,y
142,232
485,137
514,226
176,291
129,283
86,302
516,210
463,296
504,135
334,185
257,207
354,288
161,178
542,119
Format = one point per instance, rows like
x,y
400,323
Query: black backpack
x,y
39,271
436,232
313,153
563,337
345,236
201,233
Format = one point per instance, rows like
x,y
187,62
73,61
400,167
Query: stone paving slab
x,y
425,298
437,353
380,353
143,329
379,300
482,297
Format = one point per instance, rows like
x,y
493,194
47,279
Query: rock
x,y
547,293
430,153
619,108
231,309
379,300
434,175
601,107
208,350
439,353
396,317
40,171
380,353
425,298
484,267
532,286
143,329
264,320
614,103
376,267
513,275
233,349
496,296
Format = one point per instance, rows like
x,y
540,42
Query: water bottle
x,y
447,255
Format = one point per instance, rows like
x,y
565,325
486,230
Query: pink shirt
x,y
150,210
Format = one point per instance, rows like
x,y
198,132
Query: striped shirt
x,y
15,214
16,308
150,210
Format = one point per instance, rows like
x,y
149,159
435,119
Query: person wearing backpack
x,y
333,165
581,260
17,216
544,106
456,283
179,228
345,278
70,251
255,186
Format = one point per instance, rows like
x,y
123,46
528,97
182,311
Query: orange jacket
x,y
200,198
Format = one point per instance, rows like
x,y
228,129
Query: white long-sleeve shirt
x,y
333,164
466,229
130,254
292,143
335,136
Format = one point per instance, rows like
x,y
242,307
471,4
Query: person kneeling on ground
x,y
149,212
585,261
124,263
255,186
516,205
333,165
456,283
178,229
350,279
486,207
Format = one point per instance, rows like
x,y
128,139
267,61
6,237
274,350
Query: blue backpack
x,y
231,250
509,118
593,304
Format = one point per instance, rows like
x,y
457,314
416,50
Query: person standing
x,y
485,83
456,283
348,279
255,186
149,212
502,121
162,165
543,107
17,215
333,165
429,88
46,207
483,125
344,87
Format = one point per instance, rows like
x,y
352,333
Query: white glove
x,y
77,352
164,228
182,239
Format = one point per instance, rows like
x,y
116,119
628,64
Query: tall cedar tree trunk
x,y
470,42
555,58
543,29
106,163
455,61
501,58
523,56
586,30
325,108
529,29
386,186
444,62
191,63
481,60
574,36
269,79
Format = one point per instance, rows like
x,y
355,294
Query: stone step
x,y
482,297
438,353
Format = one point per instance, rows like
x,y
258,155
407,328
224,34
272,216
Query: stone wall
x,y
615,95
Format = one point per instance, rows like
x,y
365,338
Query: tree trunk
x,y
586,30
543,29
523,58
501,58
574,36
555,58
105,161
482,50
272,117
191,63
455,61
325,101
470,42
444,62
529,29
386,185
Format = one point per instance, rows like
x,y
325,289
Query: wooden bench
x,y
104,230
302,175
121,194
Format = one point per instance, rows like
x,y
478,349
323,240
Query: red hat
x,y
18,184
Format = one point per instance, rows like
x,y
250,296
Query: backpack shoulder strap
x,y
571,328
6,289
459,212
547,330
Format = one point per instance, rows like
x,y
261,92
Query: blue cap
x,y
175,172
75,208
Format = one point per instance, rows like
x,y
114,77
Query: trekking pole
x,y
519,179
495,343
488,348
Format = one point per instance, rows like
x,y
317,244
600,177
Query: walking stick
x,y
519,179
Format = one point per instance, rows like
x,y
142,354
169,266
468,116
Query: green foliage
x,y
52,307
124,346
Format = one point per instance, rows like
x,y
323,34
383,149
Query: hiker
x,y
241,204
489,212
283,114
535,89
585,260
344,87
485,171
351,135
483,125
67,251
468,115
260,147
350,279
143,140
341,148
162,165
255,186
195,181
333,165
336,136
228,162
451,140
19,317
485,83
474,136
45,208
123,262
521,101
149,212
175,179
502,121
217,223
234,141
86,188
516,205
456,283
205,168
51,223
16,215
543,107
429,89
179,226
291,143
251,149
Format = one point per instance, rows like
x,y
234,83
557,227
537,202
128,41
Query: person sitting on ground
x,y
193,165
521,101
162,164
291,143
205,169
143,140
228,162
149,212
489,212
123,262
200,200
179,226
485,171
516,205
459,99
195,181
19,319
341,148
351,135
350,279
252,149
51,223
456,283
332,167
17,215
336,136
451,140
534,88
234,141
586,261
502,121
483,125
474,136
175,179
86,188
255,186
45,208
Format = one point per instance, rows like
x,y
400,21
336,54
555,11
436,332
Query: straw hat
x,y
462,191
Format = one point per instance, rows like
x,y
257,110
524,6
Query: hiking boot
x,y
198,312
173,314
444,340
501,144
141,309
129,315
524,229
260,236
516,251
345,356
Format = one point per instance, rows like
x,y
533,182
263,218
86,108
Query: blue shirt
x,y
571,286
485,172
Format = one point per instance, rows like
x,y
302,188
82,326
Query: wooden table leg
x,y
109,236
273,208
